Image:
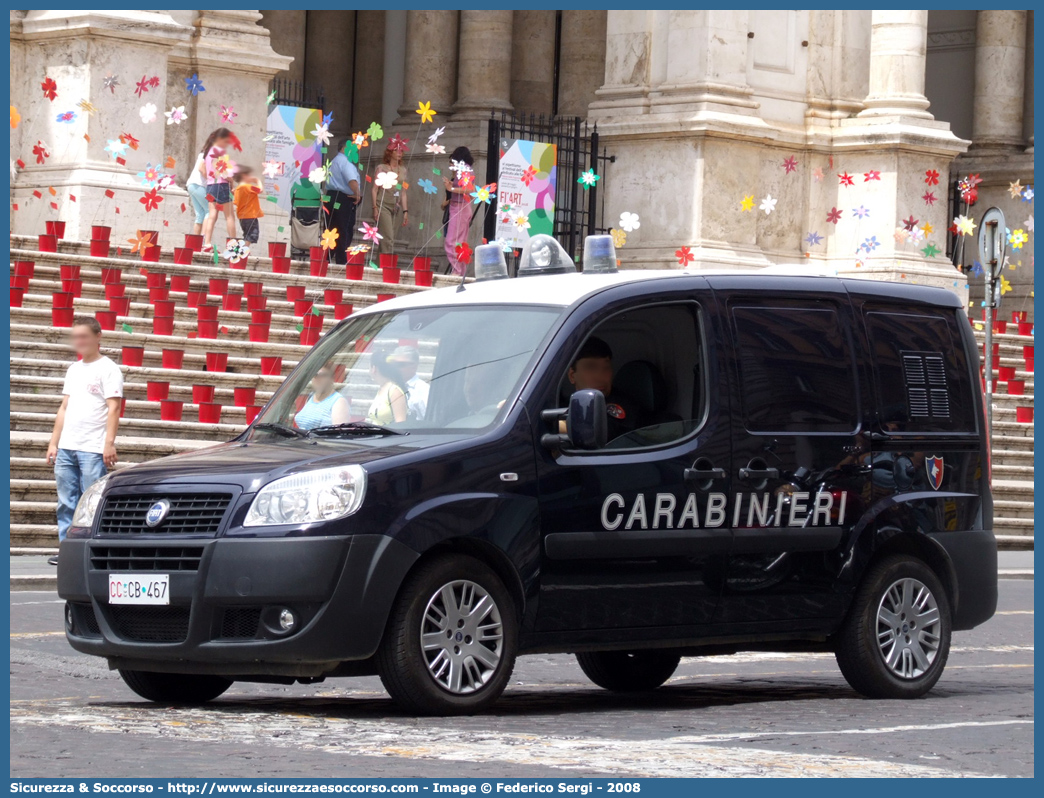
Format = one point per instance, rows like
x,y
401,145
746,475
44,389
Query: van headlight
x,y
89,502
309,497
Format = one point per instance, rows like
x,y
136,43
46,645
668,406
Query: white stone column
x,y
898,45
484,67
1000,73
582,69
327,52
533,60
431,63
369,68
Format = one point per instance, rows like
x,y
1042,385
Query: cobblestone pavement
x,y
743,715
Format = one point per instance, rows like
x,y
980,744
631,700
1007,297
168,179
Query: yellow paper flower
x,y
1005,285
619,237
15,117
329,238
927,229
425,111
965,225
748,203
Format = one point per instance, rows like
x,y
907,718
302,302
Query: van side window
x,y
922,380
796,370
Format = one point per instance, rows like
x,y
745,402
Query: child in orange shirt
x,y
248,205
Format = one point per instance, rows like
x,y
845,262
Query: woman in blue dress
x,y
325,406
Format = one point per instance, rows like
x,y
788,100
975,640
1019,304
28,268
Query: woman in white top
x,y
197,190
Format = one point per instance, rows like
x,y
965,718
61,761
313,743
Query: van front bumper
x,y
223,616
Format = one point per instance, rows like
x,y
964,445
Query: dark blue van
x,y
633,467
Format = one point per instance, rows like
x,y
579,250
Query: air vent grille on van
x,y
926,389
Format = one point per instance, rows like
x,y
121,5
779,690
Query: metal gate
x,y
577,213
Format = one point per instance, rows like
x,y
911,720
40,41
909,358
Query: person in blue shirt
x,y
325,406
342,186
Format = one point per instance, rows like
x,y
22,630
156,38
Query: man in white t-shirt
x,y
408,358
83,443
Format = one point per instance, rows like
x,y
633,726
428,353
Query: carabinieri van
x,y
633,467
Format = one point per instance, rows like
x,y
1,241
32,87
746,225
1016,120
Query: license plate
x,y
139,588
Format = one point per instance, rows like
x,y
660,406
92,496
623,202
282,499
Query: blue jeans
x,y
74,472
198,193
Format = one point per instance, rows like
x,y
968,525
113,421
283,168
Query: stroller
x,y
306,223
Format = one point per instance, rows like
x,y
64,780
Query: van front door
x,y
635,536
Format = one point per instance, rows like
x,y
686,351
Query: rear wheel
x,y
628,671
175,688
451,639
896,638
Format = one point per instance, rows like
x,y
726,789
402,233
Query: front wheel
x,y
896,638
175,688
628,671
451,640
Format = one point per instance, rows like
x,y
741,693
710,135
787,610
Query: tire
x,y
628,671
175,688
466,673
896,582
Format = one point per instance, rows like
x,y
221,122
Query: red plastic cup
x,y
388,261
100,249
384,297
232,302
1027,351
1000,327
423,278
207,329
68,272
156,391
159,295
251,413
17,295
1005,373
115,291
1025,328
253,288
260,317
62,317
74,287
193,242
422,263
171,410
256,303
209,413
120,305
207,312
243,397
132,355
318,268
106,318
155,280
1016,387
183,255
311,321
217,361
202,393
258,333
342,310
276,249
111,275
163,308
390,275
151,254
56,229
196,298
27,268
180,282
316,253
173,358
21,282
302,306
162,325
61,299
354,271
100,232
295,292
281,265
332,296
271,366
1029,365
1024,415
310,337
48,243
1016,315
218,286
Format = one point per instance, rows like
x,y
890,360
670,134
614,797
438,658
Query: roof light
x,y
543,255
599,255
490,263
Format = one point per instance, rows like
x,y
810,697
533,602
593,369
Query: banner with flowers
x,y
526,190
292,150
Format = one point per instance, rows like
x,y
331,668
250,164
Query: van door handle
x,y
700,474
752,474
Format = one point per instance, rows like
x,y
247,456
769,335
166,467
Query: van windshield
x,y
436,369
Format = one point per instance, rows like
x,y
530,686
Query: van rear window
x,y
921,374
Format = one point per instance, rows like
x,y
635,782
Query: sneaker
x,y
207,249
52,560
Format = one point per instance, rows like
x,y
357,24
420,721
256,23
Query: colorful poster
x,y
525,190
291,151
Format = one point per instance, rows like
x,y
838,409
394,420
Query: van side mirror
x,y
586,420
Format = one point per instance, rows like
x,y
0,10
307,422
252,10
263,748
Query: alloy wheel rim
x,y
462,637
909,628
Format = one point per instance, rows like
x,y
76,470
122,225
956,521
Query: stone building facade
x,y
702,109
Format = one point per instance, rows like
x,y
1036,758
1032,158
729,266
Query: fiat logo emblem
x,y
157,512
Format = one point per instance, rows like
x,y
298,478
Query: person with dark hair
x,y
593,369
459,205
246,197
392,400
83,441
325,406
342,186
219,195
388,202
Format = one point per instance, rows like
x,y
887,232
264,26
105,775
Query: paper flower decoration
x,y
435,149
164,182
228,115
360,140
463,252
588,179
629,222
813,239
375,131
321,134
357,249
528,175
147,113
271,98
435,136
910,223
351,152
869,177
928,197
916,235
194,85
1027,194
619,237
931,177
1005,285
1017,238
16,117
142,85
834,216
504,245
66,117
861,212
427,186
328,118
870,244
86,107
1015,189
522,222
154,82
398,144
930,250
790,164
927,229
483,194
272,168
129,140
964,224
149,176
426,114
176,115
900,235
49,88
140,241
768,204
329,239
224,167
684,256
817,174
41,153
1028,224
370,233
317,175
845,179
747,204
387,180
236,250
236,143
460,168
116,148
151,200
110,82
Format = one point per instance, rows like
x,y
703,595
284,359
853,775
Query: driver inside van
x,y
593,369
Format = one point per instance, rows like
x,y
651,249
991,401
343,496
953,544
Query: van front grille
x,y
240,623
150,624
85,623
146,558
189,514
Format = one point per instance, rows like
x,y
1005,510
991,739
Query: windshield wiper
x,y
281,429
361,427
